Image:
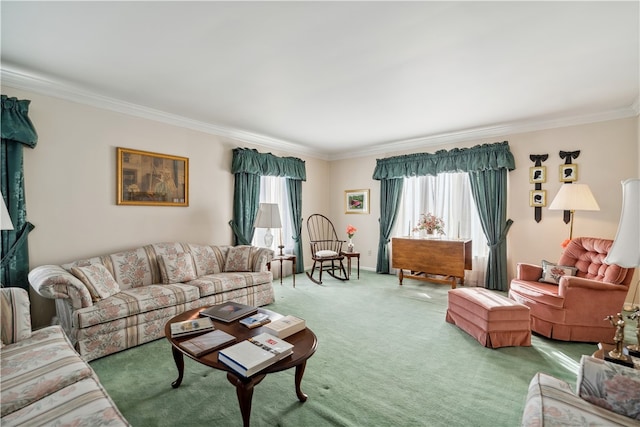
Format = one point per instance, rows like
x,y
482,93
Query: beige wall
x,y
70,186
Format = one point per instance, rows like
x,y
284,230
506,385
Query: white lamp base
x,y
268,238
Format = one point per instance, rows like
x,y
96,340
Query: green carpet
x,y
386,357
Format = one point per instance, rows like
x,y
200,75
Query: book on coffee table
x,y
254,354
192,326
206,343
228,311
255,320
285,326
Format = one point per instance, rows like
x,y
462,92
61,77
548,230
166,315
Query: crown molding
x,y
28,81
58,89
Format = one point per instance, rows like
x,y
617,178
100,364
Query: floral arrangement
x,y
351,230
430,223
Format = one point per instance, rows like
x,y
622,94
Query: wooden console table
x,y
423,256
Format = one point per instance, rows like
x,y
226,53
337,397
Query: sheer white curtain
x,y
273,189
447,195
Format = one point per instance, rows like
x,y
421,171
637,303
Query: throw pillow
x,y
238,259
610,386
205,259
551,273
98,280
177,268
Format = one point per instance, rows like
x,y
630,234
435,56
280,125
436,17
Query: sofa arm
x,y
610,386
261,257
53,281
528,272
16,318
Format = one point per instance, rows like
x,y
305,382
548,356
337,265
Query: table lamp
x,y
268,217
5,219
574,197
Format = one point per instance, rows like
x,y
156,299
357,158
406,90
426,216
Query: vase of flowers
x,y
429,224
351,230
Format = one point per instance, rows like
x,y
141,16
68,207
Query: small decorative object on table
x,y
617,355
429,223
351,230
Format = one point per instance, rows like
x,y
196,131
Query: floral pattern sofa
x,y
113,302
607,394
44,381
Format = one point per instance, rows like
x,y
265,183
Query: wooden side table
x,y
350,255
282,259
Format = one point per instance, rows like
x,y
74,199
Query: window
x,y
447,195
274,190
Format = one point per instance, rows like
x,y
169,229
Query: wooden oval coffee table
x,y
304,345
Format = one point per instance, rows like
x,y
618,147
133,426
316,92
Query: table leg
x,y
293,270
348,267
244,391
358,267
400,277
178,357
281,262
299,373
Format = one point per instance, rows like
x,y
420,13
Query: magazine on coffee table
x,y
207,343
229,311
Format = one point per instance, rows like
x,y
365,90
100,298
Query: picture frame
x,y
356,201
568,173
538,198
145,178
537,174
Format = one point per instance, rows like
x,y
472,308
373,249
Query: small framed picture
x,y
568,173
538,198
537,174
356,201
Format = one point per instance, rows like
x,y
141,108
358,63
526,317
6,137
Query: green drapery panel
x,y
489,188
488,163
246,201
17,131
480,157
266,164
390,193
248,165
294,190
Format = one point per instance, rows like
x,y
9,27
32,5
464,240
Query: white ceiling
x,y
333,79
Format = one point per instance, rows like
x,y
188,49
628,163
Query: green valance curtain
x,y
17,131
487,165
248,165
266,164
481,157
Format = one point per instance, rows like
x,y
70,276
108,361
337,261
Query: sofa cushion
x,y
238,259
98,280
176,268
223,282
610,386
551,273
83,403
206,259
131,302
38,366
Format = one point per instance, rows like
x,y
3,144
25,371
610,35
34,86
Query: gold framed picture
x,y
356,201
537,174
538,198
151,179
568,173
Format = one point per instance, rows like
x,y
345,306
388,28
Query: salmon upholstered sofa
x,y
587,291
113,302
44,381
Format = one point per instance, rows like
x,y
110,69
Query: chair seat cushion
x,y
326,254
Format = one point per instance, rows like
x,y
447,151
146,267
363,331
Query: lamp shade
x,y
574,197
5,219
268,216
625,251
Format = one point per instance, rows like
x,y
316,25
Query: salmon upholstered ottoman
x,y
494,320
